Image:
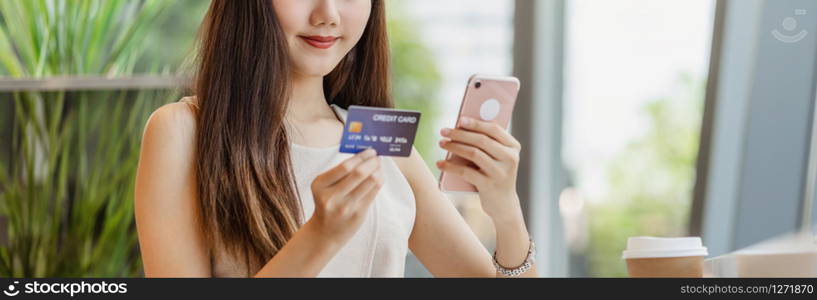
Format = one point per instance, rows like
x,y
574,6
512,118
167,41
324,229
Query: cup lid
x,y
654,247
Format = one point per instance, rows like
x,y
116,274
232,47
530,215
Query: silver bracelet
x,y
515,272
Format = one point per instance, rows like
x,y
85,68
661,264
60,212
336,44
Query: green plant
x,y
67,196
66,188
55,37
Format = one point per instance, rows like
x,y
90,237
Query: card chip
x,y
355,127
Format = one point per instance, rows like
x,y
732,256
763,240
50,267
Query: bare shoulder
x,y
168,141
178,114
173,123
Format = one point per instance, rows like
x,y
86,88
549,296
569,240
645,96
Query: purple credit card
x,y
389,131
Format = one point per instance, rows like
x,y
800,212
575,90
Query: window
x,y
635,76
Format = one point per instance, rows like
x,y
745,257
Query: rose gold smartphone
x,y
487,98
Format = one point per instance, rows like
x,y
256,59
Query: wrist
x,y
323,237
511,216
511,229
512,244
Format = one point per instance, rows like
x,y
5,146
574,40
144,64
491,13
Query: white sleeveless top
x,y
379,247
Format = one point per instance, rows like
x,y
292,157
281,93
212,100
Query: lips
x,y
320,42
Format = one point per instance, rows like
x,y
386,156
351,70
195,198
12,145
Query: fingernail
x,y
445,131
443,142
465,121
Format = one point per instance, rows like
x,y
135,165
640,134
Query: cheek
x,y
355,18
296,16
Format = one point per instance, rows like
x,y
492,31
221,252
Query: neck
x,y
307,101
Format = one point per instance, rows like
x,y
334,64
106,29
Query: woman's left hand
x,y
494,157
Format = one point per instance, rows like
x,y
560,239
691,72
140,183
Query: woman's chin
x,y
314,70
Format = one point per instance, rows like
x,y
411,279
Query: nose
x,y
325,13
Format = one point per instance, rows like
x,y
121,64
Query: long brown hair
x,y
245,183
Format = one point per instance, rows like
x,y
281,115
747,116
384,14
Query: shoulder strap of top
x,y
339,112
192,102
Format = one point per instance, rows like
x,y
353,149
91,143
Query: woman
x,y
246,179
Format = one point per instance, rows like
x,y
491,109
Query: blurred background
x,y
638,118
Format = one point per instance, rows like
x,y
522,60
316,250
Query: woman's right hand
x,y
344,194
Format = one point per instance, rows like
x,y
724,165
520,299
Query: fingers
x,y
468,173
367,190
356,177
490,129
485,162
337,173
368,198
479,140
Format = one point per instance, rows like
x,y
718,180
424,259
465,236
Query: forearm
x,y
512,242
304,255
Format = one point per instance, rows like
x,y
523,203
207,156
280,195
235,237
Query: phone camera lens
x,y
478,84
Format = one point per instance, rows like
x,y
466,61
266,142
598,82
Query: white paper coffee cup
x,y
665,257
